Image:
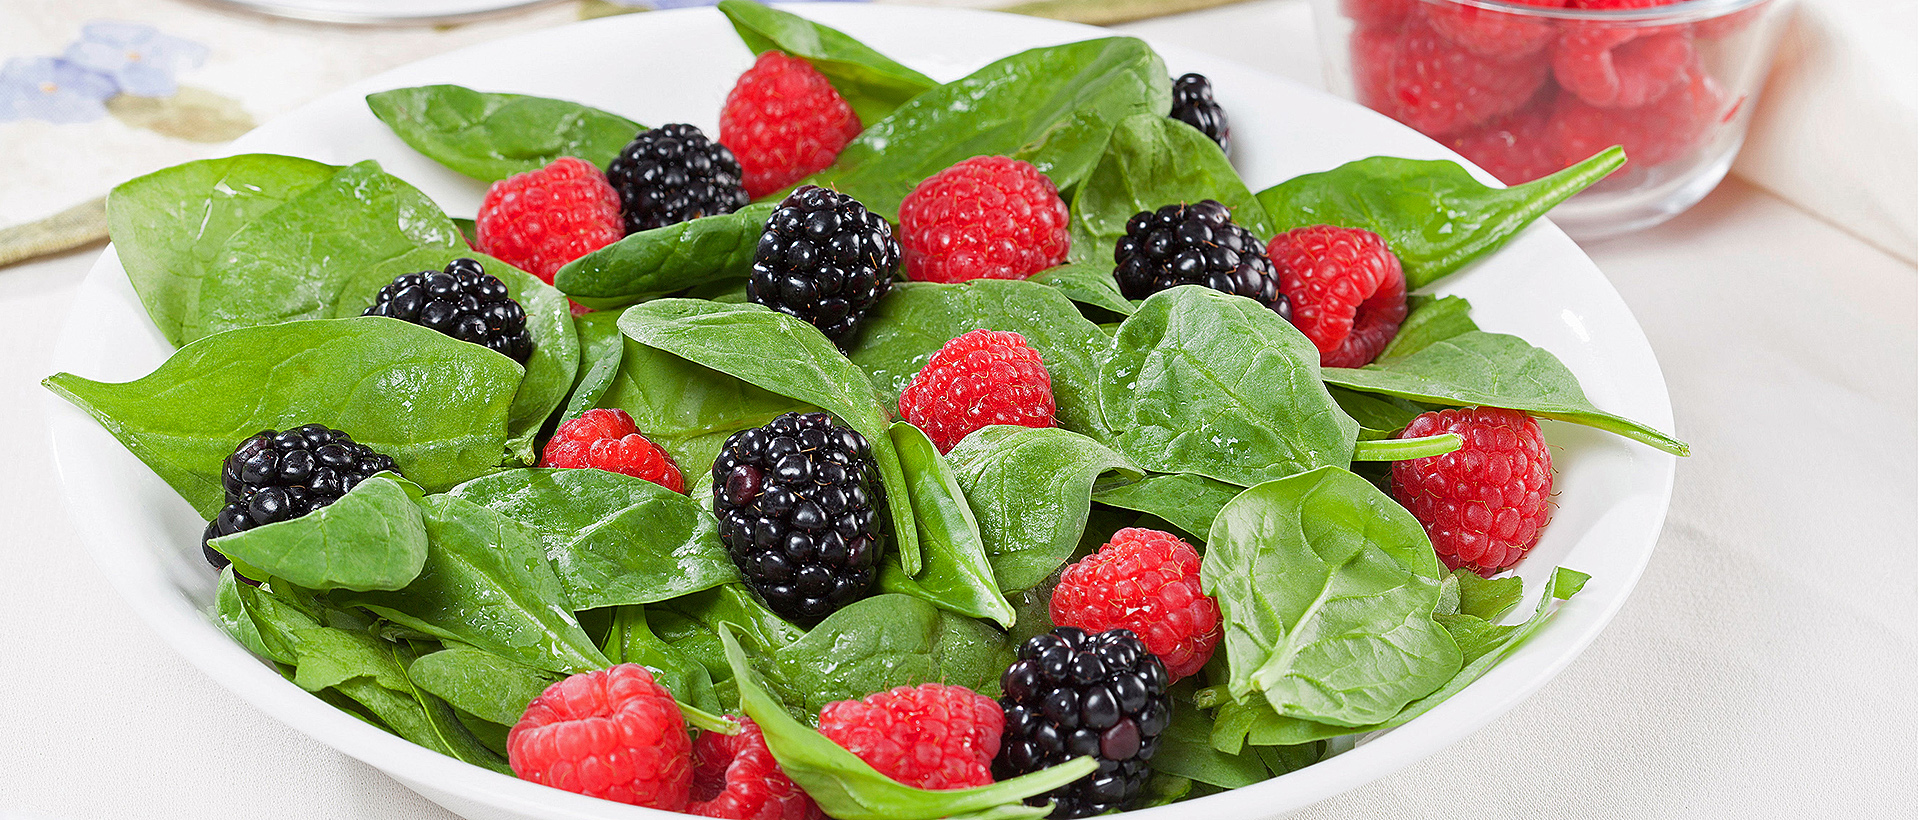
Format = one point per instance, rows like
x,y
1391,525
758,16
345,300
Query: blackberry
x,y
1193,104
276,476
672,174
1072,694
462,301
796,502
1196,244
824,258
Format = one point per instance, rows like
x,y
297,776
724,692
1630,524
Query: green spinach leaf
x,y
494,136
612,539
1327,589
871,83
1154,160
480,683
1433,214
956,575
601,349
1216,385
691,625
1030,489
686,408
666,260
368,376
1494,370
1429,320
1380,417
1184,500
632,640
1089,282
877,643
371,538
1185,749
1486,598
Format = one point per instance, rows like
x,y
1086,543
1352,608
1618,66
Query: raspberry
x,y
462,301
1517,148
796,500
1072,694
1194,244
277,476
1385,15
1146,581
1620,67
1349,295
1658,132
1441,89
612,733
541,220
783,120
1499,35
736,777
673,174
824,258
608,440
931,736
979,378
1193,104
1483,505
983,218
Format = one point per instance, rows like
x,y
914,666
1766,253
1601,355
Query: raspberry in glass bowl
x,y
1524,88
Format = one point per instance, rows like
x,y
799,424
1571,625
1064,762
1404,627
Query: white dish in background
x,y
380,12
677,67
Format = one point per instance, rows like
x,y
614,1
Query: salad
x,y
905,450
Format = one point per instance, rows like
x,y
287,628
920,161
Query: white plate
x,y
677,67
381,12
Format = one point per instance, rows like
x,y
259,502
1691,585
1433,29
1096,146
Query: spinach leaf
x,y
887,640
371,538
1008,105
1494,370
601,346
847,788
1185,500
665,260
1327,589
368,376
691,624
1030,489
1433,214
686,408
1089,282
916,318
1380,417
1428,320
1186,751
494,136
632,641
487,583
1487,598
1154,160
1216,385
230,611
480,683
787,356
612,539
168,227
871,83
956,575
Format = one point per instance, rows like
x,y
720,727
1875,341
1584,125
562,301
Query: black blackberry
x,y
672,174
796,501
1193,104
824,258
1196,244
1072,694
276,476
462,301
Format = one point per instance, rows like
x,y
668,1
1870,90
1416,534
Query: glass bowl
x,y
1524,88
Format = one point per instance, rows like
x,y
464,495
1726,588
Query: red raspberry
x,y
608,440
1517,148
1500,35
736,777
1378,14
1619,67
1658,132
1146,581
1348,293
931,736
979,378
541,220
783,120
1441,89
983,218
610,733
1483,505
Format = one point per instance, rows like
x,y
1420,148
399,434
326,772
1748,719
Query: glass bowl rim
x,y
1686,11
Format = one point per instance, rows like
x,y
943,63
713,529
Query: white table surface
x,y
1765,666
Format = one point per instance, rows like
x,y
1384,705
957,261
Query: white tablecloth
x,y
1764,668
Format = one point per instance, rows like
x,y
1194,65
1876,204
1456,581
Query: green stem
x,y
709,722
1403,449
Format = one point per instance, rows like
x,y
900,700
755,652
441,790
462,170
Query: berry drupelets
x,y
736,777
783,120
1193,104
980,378
983,218
1485,504
612,733
462,301
930,736
796,502
1072,694
541,220
278,476
1147,582
1348,293
672,174
1196,244
824,259
608,440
